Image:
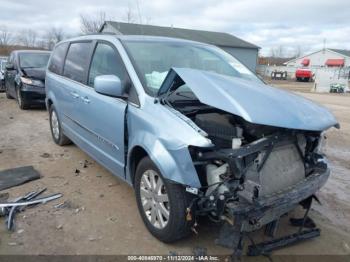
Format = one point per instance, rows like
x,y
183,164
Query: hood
x,y
35,73
255,102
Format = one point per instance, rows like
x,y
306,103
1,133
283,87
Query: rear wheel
x,y
162,205
56,131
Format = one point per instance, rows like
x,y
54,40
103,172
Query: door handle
x,y
85,99
74,94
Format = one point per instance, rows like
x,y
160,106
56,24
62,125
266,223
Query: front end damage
x,y
255,184
263,162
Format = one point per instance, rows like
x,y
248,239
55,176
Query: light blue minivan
x,y
191,129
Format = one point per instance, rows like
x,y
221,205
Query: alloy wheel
x,y
154,199
55,125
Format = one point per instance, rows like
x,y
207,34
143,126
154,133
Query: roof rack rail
x,y
100,33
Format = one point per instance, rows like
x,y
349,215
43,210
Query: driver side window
x,y
106,61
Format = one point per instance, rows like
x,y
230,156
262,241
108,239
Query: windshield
x,y
33,60
153,60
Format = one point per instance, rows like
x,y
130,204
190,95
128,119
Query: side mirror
x,y
109,85
9,66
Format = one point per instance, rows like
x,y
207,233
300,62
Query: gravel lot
x,y
101,216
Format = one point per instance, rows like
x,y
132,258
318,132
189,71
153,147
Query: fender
x,y
175,165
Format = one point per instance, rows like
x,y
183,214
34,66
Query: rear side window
x,y
57,58
77,61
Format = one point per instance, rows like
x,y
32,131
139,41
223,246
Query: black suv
x,y
25,77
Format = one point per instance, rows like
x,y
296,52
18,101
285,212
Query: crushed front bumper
x,y
270,207
247,217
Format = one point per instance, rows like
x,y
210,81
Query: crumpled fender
x,y
165,137
175,165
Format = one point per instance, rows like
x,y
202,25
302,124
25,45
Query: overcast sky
x,y
266,23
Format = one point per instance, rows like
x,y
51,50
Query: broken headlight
x,y
322,142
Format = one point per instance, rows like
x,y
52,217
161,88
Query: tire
x,y
22,104
55,127
176,226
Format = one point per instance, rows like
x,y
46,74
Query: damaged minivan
x,y
193,131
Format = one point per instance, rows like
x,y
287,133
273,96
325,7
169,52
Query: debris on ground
x,y
17,176
45,155
86,163
112,219
10,209
66,204
77,210
77,171
4,196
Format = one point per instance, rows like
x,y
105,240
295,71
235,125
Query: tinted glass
x,y
106,61
77,61
57,58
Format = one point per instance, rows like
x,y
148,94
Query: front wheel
x,y
162,204
21,102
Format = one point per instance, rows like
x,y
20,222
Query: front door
x,y
101,117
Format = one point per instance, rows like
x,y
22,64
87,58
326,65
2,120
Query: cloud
x,y
268,23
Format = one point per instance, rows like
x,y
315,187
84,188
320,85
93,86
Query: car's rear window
x,y
77,60
57,58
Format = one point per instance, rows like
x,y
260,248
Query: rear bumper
x,y
252,216
33,94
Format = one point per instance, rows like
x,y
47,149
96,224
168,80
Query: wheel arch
x,y
174,164
135,156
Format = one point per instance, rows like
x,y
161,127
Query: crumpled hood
x,y
256,103
35,73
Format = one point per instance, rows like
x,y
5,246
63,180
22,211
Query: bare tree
x,y
28,38
277,51
298,51
52,36
130,17
5,36
92,24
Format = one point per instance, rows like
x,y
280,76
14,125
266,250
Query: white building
x,y
324,58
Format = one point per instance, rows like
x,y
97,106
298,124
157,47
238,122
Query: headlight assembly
x,y
26,81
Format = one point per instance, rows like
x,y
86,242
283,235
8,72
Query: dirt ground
x,y
101,215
